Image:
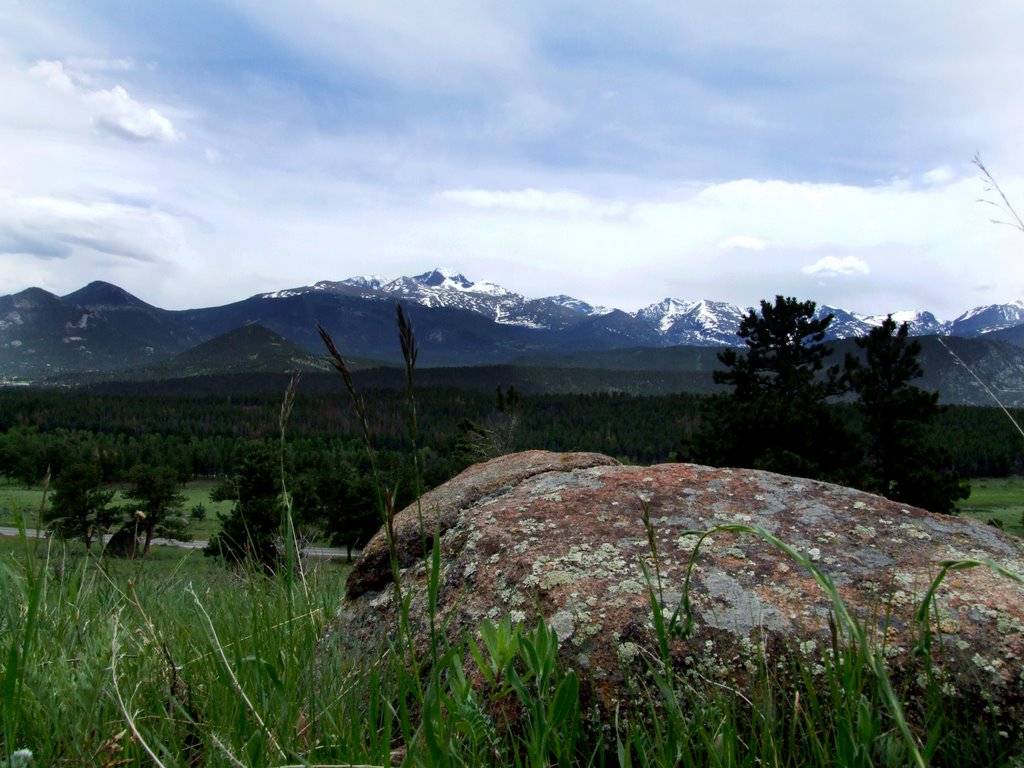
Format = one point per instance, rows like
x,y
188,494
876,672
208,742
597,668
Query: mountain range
x,y
458,322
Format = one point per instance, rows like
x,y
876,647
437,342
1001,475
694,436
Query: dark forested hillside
x,y
203,434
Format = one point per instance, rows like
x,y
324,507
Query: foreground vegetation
x,y
175,661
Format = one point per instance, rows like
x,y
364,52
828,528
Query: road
x,y
326,553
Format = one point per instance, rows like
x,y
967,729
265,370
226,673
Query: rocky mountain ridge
x,y
679,321
101,327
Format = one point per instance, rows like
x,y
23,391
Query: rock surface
x,y
563,535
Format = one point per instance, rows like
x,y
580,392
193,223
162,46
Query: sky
x,y
197,152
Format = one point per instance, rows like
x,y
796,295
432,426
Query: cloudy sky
x,y
196,152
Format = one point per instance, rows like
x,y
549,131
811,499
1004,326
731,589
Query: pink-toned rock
x,y
563,535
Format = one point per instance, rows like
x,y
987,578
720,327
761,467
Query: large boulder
x,y
563,535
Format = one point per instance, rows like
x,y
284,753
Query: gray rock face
x,y
562,535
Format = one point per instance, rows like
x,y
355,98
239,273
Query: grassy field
x,y
999,498
18,503
102,659
176,661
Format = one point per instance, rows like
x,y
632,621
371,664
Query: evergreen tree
x,y
80,507
776,416
157,491
901,461
348,506
251,530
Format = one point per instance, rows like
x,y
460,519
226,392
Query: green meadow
x,y
997,498
20,505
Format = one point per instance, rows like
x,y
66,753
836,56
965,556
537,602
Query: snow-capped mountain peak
x,y
444,278
372,282
993,317
844,324
693,322
670,321
665,313
448,279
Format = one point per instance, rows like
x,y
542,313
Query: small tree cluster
x,y
156,503
336,501
778,415
82,507
251,530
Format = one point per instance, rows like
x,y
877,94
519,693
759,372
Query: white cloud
x,y
837,266
50,227
113,110
878,240
118,113
52,73
941,175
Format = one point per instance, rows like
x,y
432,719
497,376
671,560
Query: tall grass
x,y
192,665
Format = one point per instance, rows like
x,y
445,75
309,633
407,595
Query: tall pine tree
x,y
902,460
776,415
250,532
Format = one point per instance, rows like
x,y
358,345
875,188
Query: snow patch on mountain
x,y
287,293
577,305
372,282
919,322
664,314
12,319
83,322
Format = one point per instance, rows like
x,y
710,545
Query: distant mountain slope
x,y
997,363
1013,335
458,322
638,371
983,320
99,327
250,350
